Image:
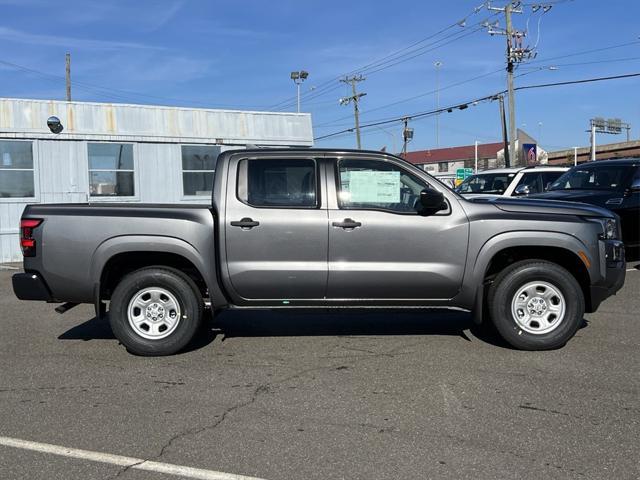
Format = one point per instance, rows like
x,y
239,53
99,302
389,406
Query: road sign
x,y
463,173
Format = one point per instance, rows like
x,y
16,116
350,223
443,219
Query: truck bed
x,y
74,241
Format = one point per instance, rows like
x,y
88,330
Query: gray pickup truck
x,y
323,228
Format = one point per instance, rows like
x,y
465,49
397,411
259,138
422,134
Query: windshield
x,y
595,177
489,183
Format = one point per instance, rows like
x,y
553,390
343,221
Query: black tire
x,y
506,286
175,282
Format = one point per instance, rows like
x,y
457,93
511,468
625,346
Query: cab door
x,y
276,229
379,246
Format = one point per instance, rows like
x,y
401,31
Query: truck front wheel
x,y
536,305
155,311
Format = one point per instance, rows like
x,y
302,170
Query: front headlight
x,y
610,229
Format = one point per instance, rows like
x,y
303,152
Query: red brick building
x,y
447,160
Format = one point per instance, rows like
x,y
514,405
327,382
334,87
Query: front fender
x,y
479,259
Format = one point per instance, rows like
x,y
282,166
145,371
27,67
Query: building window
x,y
16,170
111,172
443,167
198,168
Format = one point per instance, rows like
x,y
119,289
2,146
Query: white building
x,y
121,153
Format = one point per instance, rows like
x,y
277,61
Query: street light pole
x,y
476,155
437,64
298,78
593,141
539,133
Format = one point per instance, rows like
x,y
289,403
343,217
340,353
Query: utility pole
x,y
407,136
516,53
512,102
355,98
68,75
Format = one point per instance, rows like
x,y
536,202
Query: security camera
x,y
54,125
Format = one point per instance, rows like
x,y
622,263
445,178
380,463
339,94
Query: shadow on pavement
x,y
337,322
319,322
94,329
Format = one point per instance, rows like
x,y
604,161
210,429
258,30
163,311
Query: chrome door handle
x,y
246,223
347,224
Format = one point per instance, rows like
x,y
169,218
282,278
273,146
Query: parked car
x,y
449,179
613,184
323,228
510,182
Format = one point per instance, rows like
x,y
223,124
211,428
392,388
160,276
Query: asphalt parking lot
x,y
320,395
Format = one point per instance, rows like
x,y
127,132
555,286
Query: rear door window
x,y
284,183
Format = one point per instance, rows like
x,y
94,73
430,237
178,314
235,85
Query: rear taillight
x,y
27,242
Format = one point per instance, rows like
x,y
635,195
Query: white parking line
x,y
121,461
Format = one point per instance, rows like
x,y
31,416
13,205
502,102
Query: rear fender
x,y
203,261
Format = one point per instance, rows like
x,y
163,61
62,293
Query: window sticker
x,y
370,186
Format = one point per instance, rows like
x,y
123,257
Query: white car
x,y
510,182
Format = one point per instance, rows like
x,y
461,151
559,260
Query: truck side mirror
x,y
522,190
431,201
635,186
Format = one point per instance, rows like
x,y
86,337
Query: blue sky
x,y
238,54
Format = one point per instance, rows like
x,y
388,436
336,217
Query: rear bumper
x,y
614,274
30,286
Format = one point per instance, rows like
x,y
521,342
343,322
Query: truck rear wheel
x,y
155,311
536,305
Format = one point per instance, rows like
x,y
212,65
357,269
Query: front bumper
x,y
30,286
613,269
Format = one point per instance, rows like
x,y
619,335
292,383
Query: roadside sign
x,y
463,173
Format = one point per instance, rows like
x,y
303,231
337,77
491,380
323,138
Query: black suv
x,y
613,184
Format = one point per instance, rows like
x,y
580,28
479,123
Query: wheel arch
x,y
120,255
504,249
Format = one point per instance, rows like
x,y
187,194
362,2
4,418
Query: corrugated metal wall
x,y
62,176
83,120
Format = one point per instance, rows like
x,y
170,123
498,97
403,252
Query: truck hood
x,y
543,206
593,197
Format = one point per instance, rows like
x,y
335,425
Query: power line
x,y
573,54
575,82
465,105
403,58
420,95
328,86
584,52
